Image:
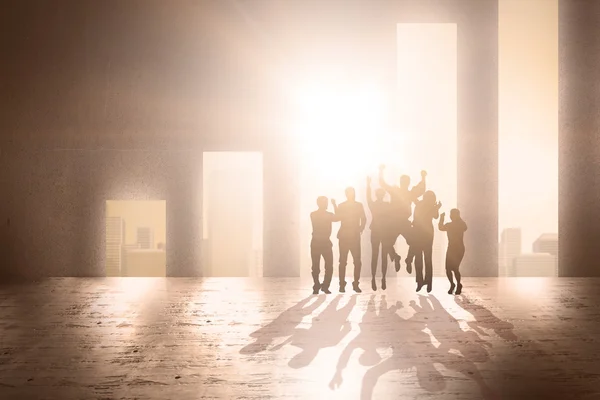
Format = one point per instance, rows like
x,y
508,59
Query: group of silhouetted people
x,y
389,220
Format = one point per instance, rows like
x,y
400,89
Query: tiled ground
x,y
229,338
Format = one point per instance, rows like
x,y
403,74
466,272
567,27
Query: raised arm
x,y
418,190
441,225
382,182
343,363
436,212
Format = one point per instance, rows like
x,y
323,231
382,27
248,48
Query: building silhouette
x,y
145,238
534,265
115,240
547,243
509,250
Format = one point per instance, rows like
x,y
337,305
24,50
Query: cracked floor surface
x,y
236,338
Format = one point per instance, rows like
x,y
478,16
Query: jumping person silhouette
x,y
426,210
381,233
353,220
402,199
321,246
456,246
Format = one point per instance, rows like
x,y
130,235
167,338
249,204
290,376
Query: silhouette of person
x,y
381,233
402,199
353,220
321,246
426,210
456,246
282,326
327,330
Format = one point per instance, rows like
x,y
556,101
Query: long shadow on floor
x,y
283,326
327,330
412,347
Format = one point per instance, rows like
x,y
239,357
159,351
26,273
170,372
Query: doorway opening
x,y
232,211
136,238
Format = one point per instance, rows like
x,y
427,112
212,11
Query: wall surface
x,y
579,138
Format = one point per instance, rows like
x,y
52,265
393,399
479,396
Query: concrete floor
x,y
229,338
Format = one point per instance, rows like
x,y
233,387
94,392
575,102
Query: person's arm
x,y
441,225
382,182
419,189
335,207
465,226
363,218
343,363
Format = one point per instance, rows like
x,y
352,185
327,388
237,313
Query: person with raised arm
x,y
320,245
402,199
353,220
456,229
426,211
382,235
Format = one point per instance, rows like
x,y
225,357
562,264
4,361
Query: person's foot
x,y
342,288
325,290
429,288
373,284
408,267
458,289
316,289
356,288
383,284
451,291
419,286
397,263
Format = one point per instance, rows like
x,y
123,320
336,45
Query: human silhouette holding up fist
x,y
402,199
426,211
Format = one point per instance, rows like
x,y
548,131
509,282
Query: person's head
x,y
404,181
322,202
380,194
429,197
454,214
350,194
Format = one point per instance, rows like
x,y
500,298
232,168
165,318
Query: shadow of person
x,y
411,348
447,331
485,319
327,330
370,338
283,325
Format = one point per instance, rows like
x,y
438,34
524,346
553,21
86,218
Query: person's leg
x,y
406,232
418,253
449,269
385,249
375,258
356,259
315,255
428,256
459,256
344,249
328,257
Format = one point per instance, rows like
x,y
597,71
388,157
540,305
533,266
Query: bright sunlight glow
x,y
342,133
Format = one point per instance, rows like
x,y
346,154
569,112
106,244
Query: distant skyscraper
x,y
509,249
534,265
115,239
145,238
548,243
